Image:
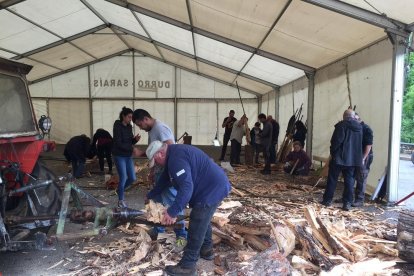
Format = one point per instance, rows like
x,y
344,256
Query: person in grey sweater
x,y
266,141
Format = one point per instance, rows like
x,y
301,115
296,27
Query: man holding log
x,y
199,182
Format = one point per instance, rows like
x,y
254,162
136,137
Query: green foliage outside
x,y
407,127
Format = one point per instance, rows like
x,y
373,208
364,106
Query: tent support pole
x,y
397,90
309,115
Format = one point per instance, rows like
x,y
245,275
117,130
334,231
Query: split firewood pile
x,y
267,226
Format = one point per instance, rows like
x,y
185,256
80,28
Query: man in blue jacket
x,y
200,183
346,154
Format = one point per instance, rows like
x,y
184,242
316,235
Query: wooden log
x,y
251,230
336,246
311,218
405,235
256,242
248,155
268,262
235,243
314,252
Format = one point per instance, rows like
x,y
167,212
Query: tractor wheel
x,y
46,200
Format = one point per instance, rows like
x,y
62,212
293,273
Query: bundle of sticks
x,y
286,145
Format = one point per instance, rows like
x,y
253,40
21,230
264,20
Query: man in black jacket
x,y
367,157
346,157
228,127
76,151
275,136
266,141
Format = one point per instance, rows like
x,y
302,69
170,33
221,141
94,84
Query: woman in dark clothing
x,y
300,133
102,143
122,149
297,160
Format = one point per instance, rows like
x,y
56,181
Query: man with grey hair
x,y
346,157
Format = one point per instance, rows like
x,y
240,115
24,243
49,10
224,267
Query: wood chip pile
x,y
269,225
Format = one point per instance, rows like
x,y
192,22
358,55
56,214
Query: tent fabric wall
x,y
369,85
96,94
70,118
268,104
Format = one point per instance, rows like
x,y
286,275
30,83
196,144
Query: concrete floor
x,y
406,183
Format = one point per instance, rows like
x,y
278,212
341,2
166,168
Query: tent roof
x,y
261,44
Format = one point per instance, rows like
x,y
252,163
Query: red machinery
x,y
26,186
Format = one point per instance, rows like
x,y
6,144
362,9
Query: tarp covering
x,y
269,43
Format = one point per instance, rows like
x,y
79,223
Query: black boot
x,y
207,253
177,270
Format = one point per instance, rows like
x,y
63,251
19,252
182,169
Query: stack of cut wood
x,y
154,211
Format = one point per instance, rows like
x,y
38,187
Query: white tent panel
x,y
286,109
141,45
153,79
268,105
63,129
168,34
39,70
65,18
71,85
300,97
398,10
220,53
162,110
64,56
271,71
195,86
6,54
315,36
331,99
22,36
112,78
215,72
226,91
198,119
40,108
224,106
253,85
101,44
42,89
117,15
105,113
176,9
247,21
370,79
178,59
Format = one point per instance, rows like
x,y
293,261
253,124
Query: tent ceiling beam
x,y
148,34
9,3
33,59
214,36
80,66
265,37
59,42
190,18
49,31
390,25
198,73
103,19
192,56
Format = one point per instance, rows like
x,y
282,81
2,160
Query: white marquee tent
x,y
181,59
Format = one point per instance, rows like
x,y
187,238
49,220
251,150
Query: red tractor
x,y
28,192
